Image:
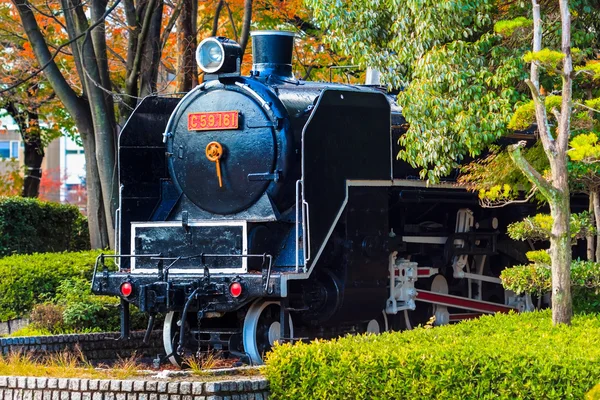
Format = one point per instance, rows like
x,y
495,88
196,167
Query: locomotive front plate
x,y
214,120
217,245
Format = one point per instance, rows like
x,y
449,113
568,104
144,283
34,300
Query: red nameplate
x,y
209,121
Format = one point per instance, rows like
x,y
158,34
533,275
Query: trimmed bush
x,y
30,225
26,280
536,279
514,356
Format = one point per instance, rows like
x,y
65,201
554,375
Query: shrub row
x,y
26,280
536,279
30,225
496,357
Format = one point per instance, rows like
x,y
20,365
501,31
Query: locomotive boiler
x,y
262,208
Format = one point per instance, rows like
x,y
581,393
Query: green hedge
x,y
496,357
536,279
26,280
30,225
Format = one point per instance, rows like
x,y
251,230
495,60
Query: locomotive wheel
x,y
378,325
171,329
424,311
262,329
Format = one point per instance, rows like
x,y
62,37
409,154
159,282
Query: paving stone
x,y
175,397
42,383
64,395
85,396
52,383
138,386
63,383
197,388
109,396
21,382
163,397
103,385
31,383
12,382
97,396
47,395
199,397
172,387
55,395
127,386
38,395
120,396
73,385
162,387
27,394
83,384
212,387
151,386
131,396
153,396
115,385
3,381
185,388
75,396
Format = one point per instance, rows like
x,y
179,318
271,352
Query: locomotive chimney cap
x,y
272,32
272,53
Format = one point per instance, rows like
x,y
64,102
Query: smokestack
x,y
272,53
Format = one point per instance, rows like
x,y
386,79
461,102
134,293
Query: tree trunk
x,y
245,33
34,155
95,206
151,52
560,241
590,239
595,195
187,75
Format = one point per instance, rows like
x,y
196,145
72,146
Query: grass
x,y
65,365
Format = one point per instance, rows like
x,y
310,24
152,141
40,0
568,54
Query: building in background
x,y
63,168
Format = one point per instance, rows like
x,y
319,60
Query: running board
x,y
461,302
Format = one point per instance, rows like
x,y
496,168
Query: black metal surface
x,y
347,137
142,164
272,53
185,241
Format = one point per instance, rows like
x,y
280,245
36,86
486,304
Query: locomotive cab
x,y
274,209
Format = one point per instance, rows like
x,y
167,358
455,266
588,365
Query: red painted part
x,y
126,289
424,272
464,316
461,302
235,289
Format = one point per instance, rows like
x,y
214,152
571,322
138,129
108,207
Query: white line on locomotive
x,y
262,208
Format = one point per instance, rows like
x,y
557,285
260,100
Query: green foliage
x,y
584,148
495,176
539,227
537,279
506,356
30,225
459,101
26,280
524,115
84,311
539,257
546,58
508,27
593,394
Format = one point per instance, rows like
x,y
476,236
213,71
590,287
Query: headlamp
x,y
218,55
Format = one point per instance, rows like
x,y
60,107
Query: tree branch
x,y
535,177
38,43
137,61
170,24
245,33
215,25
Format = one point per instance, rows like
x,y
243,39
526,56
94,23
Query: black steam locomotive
x,y
263,208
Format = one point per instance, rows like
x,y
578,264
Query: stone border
x,y
32,388
94,346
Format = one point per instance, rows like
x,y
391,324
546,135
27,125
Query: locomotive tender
x,y
263,208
